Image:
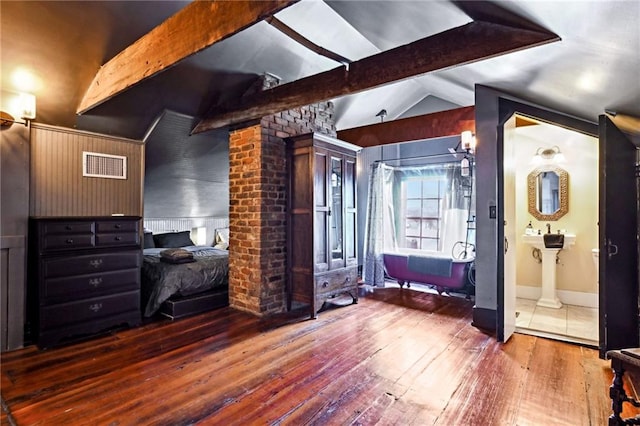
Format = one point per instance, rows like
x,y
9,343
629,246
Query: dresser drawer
x,y
90,285
71,227
117,239
116,226
88,309
67,242
90,263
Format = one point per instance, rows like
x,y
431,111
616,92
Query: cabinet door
x,y
336,211
350,212
321,211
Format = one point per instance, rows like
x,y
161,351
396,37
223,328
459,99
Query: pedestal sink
x,y
548,299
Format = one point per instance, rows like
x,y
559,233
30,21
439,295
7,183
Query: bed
x,y
185,285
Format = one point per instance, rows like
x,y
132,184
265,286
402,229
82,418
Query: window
x,y
421,213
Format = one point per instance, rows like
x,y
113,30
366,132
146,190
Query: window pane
x,y
429,244
414,208
412,228
430,228
412,243
430,188
413,188
430,208
320,239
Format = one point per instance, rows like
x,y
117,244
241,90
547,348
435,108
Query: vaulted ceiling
x,y
595,66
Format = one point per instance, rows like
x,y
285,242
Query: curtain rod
x,y
452,154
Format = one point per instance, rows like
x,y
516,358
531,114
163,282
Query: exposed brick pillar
x,y
257,210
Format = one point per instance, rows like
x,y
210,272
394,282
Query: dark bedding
x,y
161,280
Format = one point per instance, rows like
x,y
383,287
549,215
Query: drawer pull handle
x,y
95,262
69,241
68,227
95,307
118,238
118,226
95,282
325,284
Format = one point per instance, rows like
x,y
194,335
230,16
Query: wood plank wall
x,y
57,186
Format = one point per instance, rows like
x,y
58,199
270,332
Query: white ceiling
x,y
596,65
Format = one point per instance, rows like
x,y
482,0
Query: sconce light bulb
x,y
468,140
27,106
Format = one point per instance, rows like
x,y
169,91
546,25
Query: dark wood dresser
x,y
84,276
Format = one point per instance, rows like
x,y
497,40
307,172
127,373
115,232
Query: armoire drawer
x,y
65,314
336,280
91,285
90,263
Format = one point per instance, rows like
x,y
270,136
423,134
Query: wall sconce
x,y
468,141
25,106
548,155
468,144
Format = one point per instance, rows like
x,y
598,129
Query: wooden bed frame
x,y
182,306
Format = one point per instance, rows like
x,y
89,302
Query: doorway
x,y
617,220
536,200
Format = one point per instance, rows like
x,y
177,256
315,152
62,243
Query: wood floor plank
x,y
597,376
555,374
330,361
397,357
490,390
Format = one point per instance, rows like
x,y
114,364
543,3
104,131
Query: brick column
x,y
257,209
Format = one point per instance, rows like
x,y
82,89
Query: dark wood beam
x,y
196,27
462,45
296,36
435,125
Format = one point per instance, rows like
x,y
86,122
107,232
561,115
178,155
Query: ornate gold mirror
x,y
548,189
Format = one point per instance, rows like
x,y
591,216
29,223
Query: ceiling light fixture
x,y
548,155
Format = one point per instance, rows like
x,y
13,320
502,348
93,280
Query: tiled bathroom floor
x,y
572,323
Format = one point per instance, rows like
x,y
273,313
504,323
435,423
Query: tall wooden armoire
x,y
321,220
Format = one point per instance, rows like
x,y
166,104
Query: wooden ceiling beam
x,y
462,45
194,28
428,126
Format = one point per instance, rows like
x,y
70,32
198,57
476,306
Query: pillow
x,y
173,239
148,242
222,235
222,239
222,246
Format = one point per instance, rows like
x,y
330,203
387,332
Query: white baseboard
x,y
577,298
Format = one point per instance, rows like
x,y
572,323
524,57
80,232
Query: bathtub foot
x,y
402,283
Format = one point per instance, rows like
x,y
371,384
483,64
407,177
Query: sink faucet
x,y
548,228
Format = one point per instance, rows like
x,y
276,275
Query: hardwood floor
x,y
398,357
